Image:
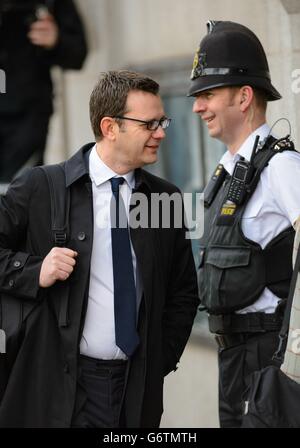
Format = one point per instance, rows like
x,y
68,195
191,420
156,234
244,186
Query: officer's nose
x,y
199,105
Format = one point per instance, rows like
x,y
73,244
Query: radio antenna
x,y
254,149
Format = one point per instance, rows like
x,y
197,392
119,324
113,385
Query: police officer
x,y
251,205
35,35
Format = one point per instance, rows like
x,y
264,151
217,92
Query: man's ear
x,y
246,97
108,128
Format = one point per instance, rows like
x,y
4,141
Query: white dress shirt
x,y
98,339
274,205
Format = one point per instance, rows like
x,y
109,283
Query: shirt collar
x,y
77,167
100,172
228,160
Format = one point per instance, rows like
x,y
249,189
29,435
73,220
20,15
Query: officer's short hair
x,y
110,94
261,98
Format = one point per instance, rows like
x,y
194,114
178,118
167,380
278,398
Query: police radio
x,y
241,178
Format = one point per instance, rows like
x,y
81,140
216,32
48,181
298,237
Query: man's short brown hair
x,y
109,96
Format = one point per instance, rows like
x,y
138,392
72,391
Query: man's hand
x,y
57,265
44,32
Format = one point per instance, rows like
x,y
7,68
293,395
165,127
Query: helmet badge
x,y
199,64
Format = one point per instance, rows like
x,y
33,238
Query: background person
x,y
35,35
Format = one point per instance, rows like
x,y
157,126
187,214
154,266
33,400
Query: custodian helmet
x,y
231,55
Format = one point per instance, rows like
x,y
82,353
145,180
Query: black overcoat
x,y
40,391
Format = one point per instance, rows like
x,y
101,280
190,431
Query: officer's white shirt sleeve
x,y
273,207
275,203
284,183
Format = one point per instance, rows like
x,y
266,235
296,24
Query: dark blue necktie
x,y
124,286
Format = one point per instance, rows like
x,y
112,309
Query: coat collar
x,y
78,166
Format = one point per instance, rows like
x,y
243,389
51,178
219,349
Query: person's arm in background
x,y
61,33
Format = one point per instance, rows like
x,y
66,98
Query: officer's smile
x,y
208,119
153,147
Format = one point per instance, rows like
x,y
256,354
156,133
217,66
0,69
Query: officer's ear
x,y
246,95
108,126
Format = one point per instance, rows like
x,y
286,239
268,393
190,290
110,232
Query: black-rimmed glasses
x,y
152,125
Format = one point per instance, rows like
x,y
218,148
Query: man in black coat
x,y
35,35
83,366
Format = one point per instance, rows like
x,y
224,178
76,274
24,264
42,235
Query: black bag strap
x,y
60,210
60,202
278,356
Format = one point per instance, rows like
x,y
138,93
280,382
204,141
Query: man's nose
x,y
199,105
159,133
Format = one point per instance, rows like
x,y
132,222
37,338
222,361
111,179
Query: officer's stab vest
x,y
234,270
